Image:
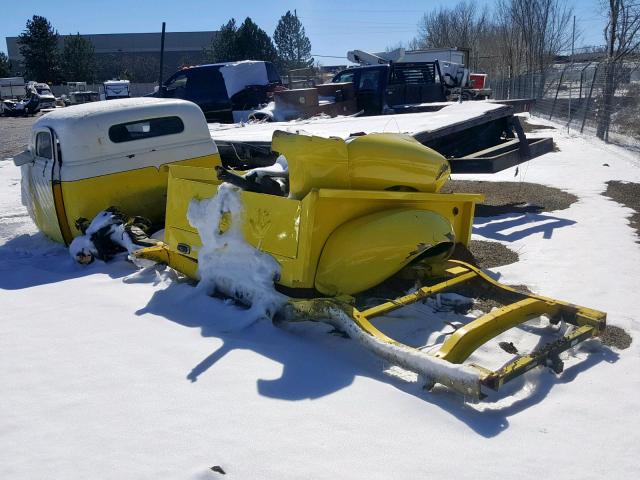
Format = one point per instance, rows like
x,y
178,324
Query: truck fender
x,y
364,252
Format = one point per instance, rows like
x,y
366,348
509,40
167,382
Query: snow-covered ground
x,y
109,373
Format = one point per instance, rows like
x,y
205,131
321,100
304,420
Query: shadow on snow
x,y
32,260
316,363
508,228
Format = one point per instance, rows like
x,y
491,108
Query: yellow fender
x,y
364,252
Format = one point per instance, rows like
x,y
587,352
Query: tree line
x,y
75,60
289,49
514,37
518,37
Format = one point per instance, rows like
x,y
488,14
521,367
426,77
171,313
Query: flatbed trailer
x,y
476,137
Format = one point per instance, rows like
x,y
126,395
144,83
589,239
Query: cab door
x,y
370,90
206,88
40,174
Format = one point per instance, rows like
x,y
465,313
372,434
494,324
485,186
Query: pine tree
x,y
5,66
224,47
292,43
247,42
254,43
39,47
78,59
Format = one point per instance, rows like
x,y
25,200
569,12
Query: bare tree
x,y
518,36
622,35
459,26
544,29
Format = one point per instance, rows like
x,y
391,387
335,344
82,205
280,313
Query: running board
x,y
446,365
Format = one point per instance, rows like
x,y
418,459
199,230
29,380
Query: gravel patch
x,y
627,194
14,132
509,197
484,254
617,337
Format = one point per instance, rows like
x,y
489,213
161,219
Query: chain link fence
x,y
579,96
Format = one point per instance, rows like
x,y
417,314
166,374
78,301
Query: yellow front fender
x,y
364,252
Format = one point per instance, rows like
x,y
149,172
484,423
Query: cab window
x,y
141,129
344,77
177,86
43,145
369,80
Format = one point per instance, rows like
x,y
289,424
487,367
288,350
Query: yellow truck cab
x,y
85,158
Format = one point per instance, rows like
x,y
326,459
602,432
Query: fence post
x,y
582,80
569,106
531,80
586,107
553,107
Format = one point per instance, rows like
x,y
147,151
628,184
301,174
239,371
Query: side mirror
x,y
23,158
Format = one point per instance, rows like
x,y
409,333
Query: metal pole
x,y
573,40
161,57
531,80
553,107
586,108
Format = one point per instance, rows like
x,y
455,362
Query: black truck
x,y
392,87
219,96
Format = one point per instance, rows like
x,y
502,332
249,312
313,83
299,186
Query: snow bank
x,y
226,262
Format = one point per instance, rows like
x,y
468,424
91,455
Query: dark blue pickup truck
x,y
387,88
220,89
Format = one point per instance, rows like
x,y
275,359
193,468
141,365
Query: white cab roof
x,y
83,130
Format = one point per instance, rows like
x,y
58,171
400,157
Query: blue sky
x,y
333,26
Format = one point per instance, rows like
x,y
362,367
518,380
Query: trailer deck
x,y
476,137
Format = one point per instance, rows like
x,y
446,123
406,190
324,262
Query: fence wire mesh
x,y
595,98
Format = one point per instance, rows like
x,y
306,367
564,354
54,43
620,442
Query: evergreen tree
x,y
293,45
5,66
247,42
254,43
39,47
224,47
78,59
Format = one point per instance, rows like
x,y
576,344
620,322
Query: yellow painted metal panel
x,y
136,192
311,221
367,250
468,338
380,161
270,223
314,162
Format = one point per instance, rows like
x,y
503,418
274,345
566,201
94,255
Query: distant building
x,y
136,54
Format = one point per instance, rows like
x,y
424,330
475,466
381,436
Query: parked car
x,y
47,99
224,91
